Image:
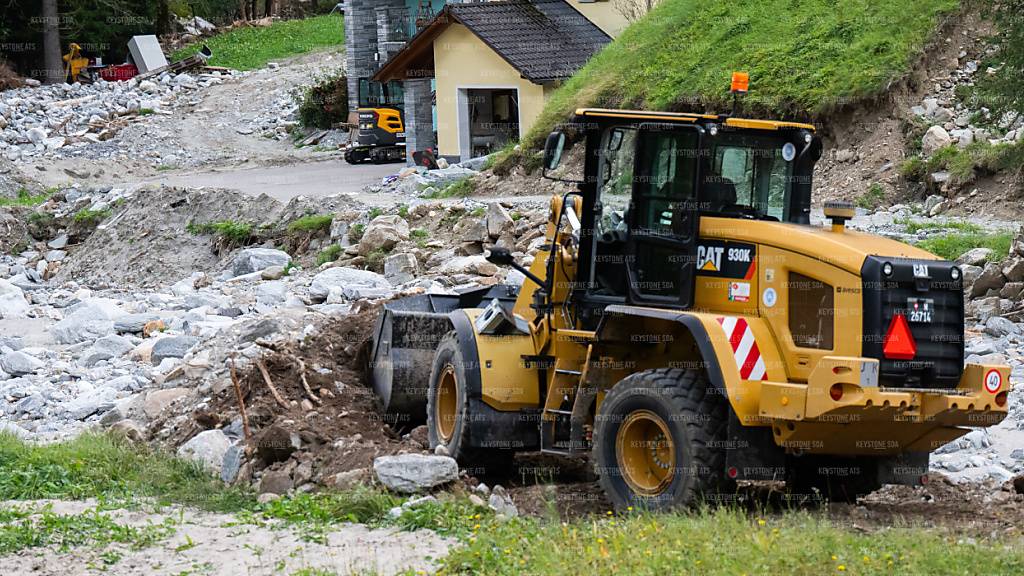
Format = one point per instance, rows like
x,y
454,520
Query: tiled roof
x,y
544,39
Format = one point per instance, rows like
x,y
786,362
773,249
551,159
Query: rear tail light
x,y
899,342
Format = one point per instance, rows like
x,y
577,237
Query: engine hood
x,y
846,249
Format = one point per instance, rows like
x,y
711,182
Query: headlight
x,y
954,273
713,129
887,268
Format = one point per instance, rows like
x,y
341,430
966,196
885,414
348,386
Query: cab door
x,y
664,216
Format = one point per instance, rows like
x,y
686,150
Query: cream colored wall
x,y
603,14
461,60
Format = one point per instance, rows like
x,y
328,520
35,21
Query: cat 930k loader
x,y
685,326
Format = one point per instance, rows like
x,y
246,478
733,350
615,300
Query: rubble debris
x,y
410,473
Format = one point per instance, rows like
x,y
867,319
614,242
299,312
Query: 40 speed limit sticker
x,y
993,381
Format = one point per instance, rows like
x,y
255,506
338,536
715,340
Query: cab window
x,y
666,196
616,179
750,176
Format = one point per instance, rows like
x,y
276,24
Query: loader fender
x,y
738,352
489,427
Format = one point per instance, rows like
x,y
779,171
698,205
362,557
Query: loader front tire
x,y
450,410
659,440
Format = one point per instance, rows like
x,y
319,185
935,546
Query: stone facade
x,y
368,23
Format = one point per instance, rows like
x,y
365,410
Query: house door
x,y
489,120
664,217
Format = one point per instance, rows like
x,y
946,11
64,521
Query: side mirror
x,y
553,148
500,256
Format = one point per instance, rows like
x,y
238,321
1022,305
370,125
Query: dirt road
x,y
311,179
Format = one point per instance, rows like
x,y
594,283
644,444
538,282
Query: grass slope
x,y
252,47
804,58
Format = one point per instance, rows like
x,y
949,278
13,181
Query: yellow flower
x,y
629,508
600,540
609,512
834,557
760,522
866,559
841,568
476,527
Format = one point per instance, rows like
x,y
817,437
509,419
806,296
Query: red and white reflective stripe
x,y
744,348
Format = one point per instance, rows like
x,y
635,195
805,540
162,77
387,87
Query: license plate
x,y
919,310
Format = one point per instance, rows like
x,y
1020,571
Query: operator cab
x,y
647,180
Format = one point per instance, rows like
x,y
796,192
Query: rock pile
x,y
996,284
41,121
951,121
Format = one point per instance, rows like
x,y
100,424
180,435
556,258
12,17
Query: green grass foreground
x,y
727,542
253,47
719,541
111,470
804,58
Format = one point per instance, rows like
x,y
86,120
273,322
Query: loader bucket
x,y
404,342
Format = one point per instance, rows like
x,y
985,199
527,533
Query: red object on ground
x,y
119,72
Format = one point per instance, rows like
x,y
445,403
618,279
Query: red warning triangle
x,y
899,342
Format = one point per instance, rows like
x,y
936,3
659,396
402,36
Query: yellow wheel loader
x,y
685,327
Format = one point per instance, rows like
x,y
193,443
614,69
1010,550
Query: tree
x,y
52,61
633,10
163,18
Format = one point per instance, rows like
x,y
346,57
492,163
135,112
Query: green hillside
x,y
251,47
804,57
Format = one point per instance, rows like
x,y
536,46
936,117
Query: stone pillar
x,y
419,121
392,30
360,47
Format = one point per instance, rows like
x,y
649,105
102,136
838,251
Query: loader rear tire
x,y
659,440
450,410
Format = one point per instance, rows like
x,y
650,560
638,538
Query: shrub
x,y
312,224
325,103
329,254
873,198
228,231
89,217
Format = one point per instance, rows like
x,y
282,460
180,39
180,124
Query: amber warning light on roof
x,y
740,82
